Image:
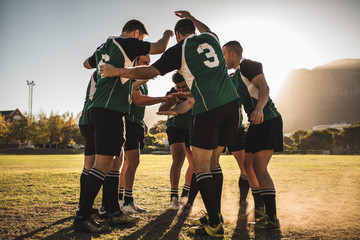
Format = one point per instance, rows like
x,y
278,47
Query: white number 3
x,y
210,54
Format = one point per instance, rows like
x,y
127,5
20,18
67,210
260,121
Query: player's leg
x,y
205,183
178,156
188,174
89,156
254,185
243,179
216,172
122,182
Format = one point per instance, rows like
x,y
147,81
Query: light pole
x,y
31,85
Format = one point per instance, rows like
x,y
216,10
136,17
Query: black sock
x,y
270,204
83,176
92,186
193,190
174,193
244,187
258,200
208,193
218,180
128,197
185,192
111,191
121,193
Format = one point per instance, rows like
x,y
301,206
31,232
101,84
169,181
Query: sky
x,y
47,41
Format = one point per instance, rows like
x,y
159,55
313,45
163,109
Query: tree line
x,y
41,131
335,141
62,130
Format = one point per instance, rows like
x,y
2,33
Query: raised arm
x,y
161,44
199,25
108,70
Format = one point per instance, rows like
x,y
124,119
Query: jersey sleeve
x,y
134,47
92,61
250,69
170,60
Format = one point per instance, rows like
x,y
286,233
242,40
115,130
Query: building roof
x,y
6,113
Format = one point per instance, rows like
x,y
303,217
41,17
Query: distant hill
x,y
325,95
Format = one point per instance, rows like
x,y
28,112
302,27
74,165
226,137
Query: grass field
x,y
318,197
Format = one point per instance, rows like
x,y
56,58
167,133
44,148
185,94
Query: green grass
x,y
318,197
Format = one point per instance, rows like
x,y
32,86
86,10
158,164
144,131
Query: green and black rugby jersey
x,y
89,95
181,121
114,93
249,94
200,60
137,114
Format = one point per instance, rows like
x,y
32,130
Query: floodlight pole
x,y
31,85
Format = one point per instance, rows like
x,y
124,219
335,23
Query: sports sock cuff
x,y
268,191
100,175
128,193
186,187
255,190
203,175
174,191
216,170
244,177
121,190
113,174
85,171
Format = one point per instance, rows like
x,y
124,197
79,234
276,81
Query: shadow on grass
x,y
64,233
241,231
157,228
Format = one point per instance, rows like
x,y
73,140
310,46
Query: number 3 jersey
x,y
199,58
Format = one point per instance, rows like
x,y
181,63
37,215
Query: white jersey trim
x,y
186,73
127,61
253,91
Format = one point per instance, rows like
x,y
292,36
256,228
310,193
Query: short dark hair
x,y
185,26
133,25
234,46
177,78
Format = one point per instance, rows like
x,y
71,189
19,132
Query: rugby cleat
x,y
218,231
132,208
174,204
119,218
266,223
205,219
102,213
89,226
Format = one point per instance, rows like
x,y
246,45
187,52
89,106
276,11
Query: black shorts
x,y
109,130
265,136
88,133
216,127
134,136
178,135
240,141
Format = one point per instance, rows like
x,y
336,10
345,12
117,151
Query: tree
x,y
317,140
298,134
19,131
159,127
352,138
151,140
55,125
4,130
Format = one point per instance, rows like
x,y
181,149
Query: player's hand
x,y
108,70
182,94
168,34
183,14
257,116
168,112
172,100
